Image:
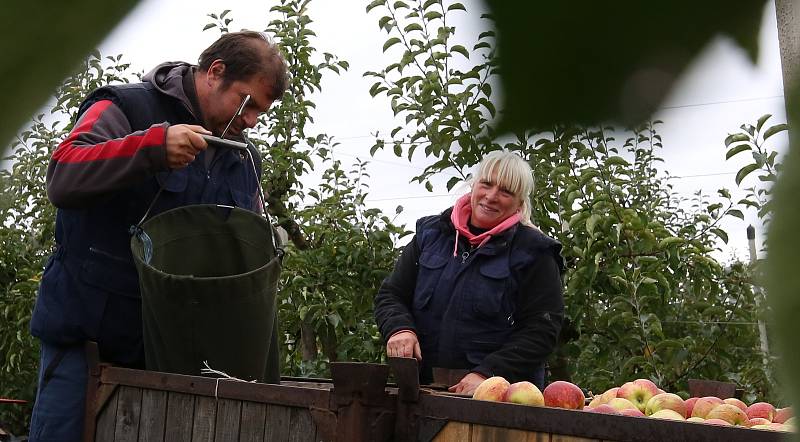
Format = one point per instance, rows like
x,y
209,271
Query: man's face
x,y
224,100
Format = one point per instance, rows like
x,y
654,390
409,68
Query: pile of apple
x,y
641,398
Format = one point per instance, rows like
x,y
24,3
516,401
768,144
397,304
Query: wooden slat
x,y
455,432
277,423
129,410
562,438
205,414
154,416
229,414
301,425
534,436
253,418
486,433
180,417
107,419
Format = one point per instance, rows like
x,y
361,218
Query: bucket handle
x,y
147,243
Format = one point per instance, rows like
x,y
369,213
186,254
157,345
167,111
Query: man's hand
x,y
183,144
467,384
404,344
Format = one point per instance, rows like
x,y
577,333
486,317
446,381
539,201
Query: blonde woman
x,y
478,287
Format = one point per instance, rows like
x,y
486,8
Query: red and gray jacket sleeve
x,y
102,155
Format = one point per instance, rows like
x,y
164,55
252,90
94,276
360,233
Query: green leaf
x,y
461,50
616,160
412,27
375,4
744,171
737,213
734,138
591,222
456,6
390,42
666,242
762,120
382,23
737,149
774,130
721,234
209,26
433,15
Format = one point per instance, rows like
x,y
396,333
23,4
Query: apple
x,y
668,414
604,398
622,404
716,422
729,413
633,412
492,389
563,394
782,414
602,409
703,405
737,402
638,392
524,393
761,409
756,421
772,426
665,401
695,419
789,421
690,404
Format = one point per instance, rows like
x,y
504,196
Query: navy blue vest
x,y
90,289
464,305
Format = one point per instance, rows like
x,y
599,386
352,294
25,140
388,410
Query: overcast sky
x,y
720,91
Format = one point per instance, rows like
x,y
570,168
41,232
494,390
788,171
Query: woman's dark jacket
x,y
495,310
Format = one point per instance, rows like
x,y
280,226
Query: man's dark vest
x,y
90,289
464,305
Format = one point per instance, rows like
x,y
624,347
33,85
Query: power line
x,y
713,103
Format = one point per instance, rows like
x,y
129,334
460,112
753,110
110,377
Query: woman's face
x,y
491,204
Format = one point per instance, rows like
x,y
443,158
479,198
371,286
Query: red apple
x,y
668,414
563,394
622,404
638,392
690,404
703,405
756,421
761,409
604,398
729,413
716,422
524,393
491,389
737,402
666,401
782,414
602,409
634,412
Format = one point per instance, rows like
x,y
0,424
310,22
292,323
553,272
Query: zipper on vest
x,y
464,257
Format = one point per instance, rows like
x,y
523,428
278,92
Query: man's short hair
x,y
247,53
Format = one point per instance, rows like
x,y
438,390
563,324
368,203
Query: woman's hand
x,y
404,344
467,384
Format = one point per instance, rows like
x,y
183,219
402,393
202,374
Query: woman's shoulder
x,y
532,236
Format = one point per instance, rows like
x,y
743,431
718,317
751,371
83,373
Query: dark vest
x,y
90,289
464,305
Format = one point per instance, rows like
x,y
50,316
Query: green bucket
x,y
208,276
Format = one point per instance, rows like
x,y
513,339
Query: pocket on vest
x,y
489,291
431,266
109,284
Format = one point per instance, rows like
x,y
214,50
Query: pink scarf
x,y
460,218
